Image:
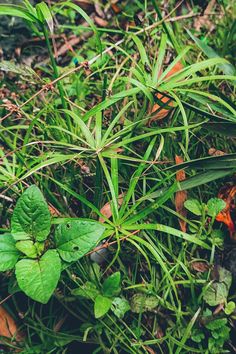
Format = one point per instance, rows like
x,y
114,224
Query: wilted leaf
x,y
180,196
164,100
120,306
217,292
141,303
200,266
8,327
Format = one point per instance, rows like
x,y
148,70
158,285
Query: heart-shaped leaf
x,y
31,216
75,238
38,278
8,252
101,306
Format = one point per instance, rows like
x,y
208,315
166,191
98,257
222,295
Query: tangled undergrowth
x,y
117,177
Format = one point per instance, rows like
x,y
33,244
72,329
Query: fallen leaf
x,y
106,209
8,327
227,193
215,152
162,112
100,21
200,266
180,196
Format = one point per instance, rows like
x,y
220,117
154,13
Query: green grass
x,y
100,117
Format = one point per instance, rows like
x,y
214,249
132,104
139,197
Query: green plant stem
x,y
56,75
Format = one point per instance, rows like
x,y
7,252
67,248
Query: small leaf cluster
x,y
105,298
38,267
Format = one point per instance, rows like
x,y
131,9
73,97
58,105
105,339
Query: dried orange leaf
x,y
162,112
180,196
8,327
200,266
227,193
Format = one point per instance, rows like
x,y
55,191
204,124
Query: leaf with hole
x,y
31,216
8,252
38,278
77,237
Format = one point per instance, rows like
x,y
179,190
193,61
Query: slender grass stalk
x,y
56,75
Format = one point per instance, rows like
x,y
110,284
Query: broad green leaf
x,y
141,302
120,306
101,306
38,278
31,216
8,252
218,291
44,15
111,285
77,237
27,247
194,206
214,206
87,290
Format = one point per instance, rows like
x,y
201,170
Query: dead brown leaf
x,y
200,266
106,209
100,21
162,112
180,196
215,152
8,327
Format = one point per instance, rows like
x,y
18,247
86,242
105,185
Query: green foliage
x,y
8,252
31,217
38,277
75,238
